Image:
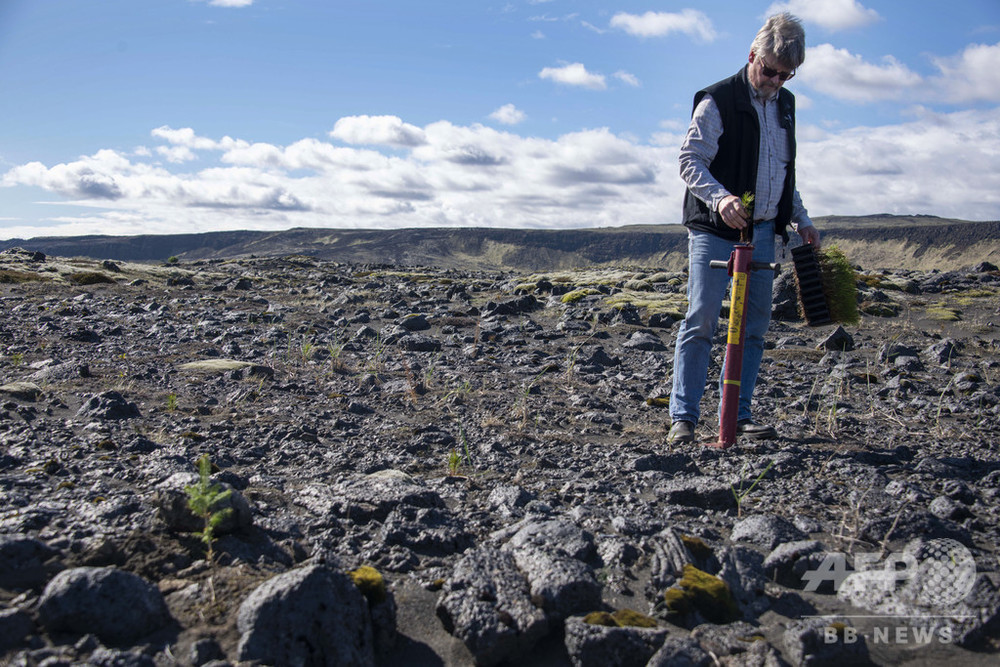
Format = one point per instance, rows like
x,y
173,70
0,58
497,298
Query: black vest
x,y
735,165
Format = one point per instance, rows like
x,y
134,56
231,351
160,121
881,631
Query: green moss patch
x,y
370,582
577,294
698,591
943,314
623,618
601,618
697,547
10,276
840,283
588,277
969,298
90,278
629,618
673,305
880,309
871,280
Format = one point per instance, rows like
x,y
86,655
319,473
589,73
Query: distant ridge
x,y
877,241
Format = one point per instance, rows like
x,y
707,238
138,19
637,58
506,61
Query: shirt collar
x,y
757,95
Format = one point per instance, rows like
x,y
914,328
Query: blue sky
x,y
170,116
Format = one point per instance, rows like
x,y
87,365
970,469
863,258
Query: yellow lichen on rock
x,y
697,547
704,593
577,294
370,582
623,618
600,618
633,619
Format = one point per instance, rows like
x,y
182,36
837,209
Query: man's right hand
x,y
732,212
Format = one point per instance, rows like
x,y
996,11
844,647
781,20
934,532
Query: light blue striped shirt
x,y
702,143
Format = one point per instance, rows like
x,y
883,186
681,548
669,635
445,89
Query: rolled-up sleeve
x,y
699,149
800,217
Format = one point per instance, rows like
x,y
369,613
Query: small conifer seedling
x,y
747,201
204,499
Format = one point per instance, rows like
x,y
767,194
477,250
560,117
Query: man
x,y
741,142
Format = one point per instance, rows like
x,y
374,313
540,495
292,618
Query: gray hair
x,y
782,38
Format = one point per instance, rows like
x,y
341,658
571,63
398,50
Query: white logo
x,y
948,573
939,573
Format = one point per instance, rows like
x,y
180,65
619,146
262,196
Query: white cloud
x,y
972,76
690,22
176,154
230,3
941,164
593,28
457,176
830,14
377,130
844,75
627,77
508,114
98,176
309,154
574,74
182,137
465,175
186,137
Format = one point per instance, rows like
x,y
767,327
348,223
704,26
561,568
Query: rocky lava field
x,y
440,467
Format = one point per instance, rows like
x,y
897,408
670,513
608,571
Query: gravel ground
x,y
494,446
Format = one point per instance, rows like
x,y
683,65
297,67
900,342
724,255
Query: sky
x,y
132,117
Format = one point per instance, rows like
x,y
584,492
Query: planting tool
x,y
827,286
809,277
740,265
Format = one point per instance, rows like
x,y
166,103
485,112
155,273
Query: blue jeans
x,y
706,290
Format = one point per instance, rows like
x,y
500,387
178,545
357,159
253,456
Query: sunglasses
x,y
770,72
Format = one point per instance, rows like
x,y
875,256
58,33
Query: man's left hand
x,y
810,235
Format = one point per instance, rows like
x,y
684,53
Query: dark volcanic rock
x,y
551,556
487,604
429,531
375,496
15,625
681,651
789,561
703,491
306,616
766,531
591,645
838,340
109,405
116,606
644,340
22,560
